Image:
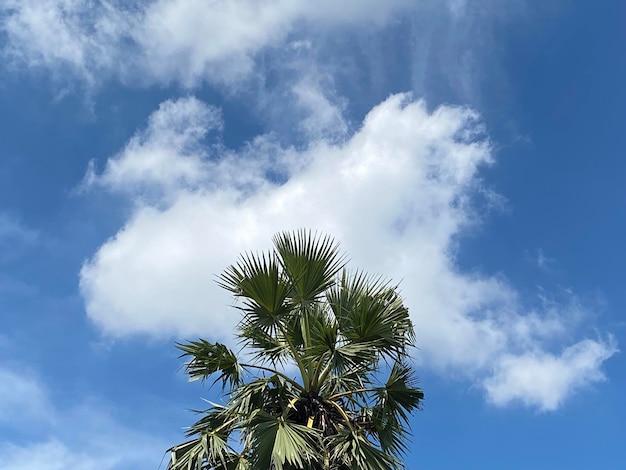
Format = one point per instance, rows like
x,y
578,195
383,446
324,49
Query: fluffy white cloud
x,y
166,40
168,153
544,380
397,194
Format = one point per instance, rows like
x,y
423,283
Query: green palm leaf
x,y
310,262
209,358
282,444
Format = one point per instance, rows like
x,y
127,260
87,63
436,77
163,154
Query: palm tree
x,y
325,380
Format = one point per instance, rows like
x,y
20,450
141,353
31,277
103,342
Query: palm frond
x,y
400,395
310,261
278,443
209,358
258,280
371,311
351,449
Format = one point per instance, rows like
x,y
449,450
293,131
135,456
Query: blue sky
x,y
471,149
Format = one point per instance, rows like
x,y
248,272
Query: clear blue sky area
x,y
473,150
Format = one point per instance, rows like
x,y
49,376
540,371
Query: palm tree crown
x,y
325,382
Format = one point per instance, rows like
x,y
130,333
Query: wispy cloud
x,y
226,42
163,41
22,399
397,194
13,231
83,436
15,237
67,38
455,50
543,261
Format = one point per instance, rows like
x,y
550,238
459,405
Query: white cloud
x,y
544,380
397,194
114,448
324,113
51,455
81,437
22,399
187,41
394,166
168,153
12,230
61,36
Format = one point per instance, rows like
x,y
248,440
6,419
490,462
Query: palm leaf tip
x,y
311,261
